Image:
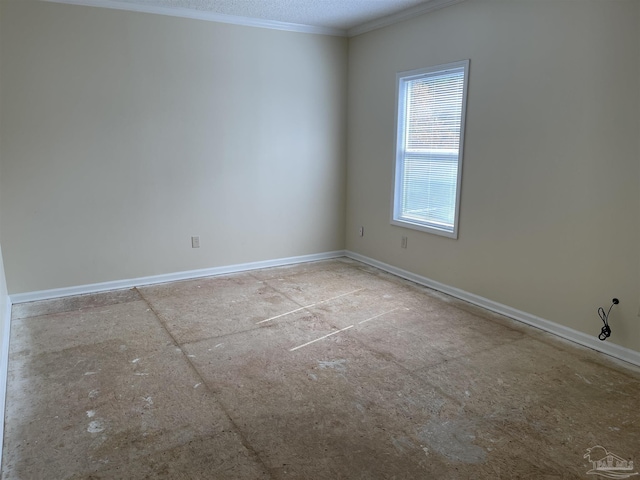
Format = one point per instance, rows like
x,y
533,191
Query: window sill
x,y
424,228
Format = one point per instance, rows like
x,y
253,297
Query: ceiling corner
x,y
385,21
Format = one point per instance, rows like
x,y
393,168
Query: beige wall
x,y
4,299
124,134
550,211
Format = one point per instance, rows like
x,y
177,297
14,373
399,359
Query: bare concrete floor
x,y
327,370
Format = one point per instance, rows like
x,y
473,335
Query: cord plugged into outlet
x,y
606,330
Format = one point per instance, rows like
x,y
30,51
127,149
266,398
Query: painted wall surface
x,y
4,298
124,134
550,211
4,311
5,307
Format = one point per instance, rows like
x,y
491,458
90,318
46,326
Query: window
x,y
430,136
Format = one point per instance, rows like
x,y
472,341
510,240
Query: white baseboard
x,y
168,277
4,370
608,348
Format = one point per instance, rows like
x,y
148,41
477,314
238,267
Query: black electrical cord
x,y
606,330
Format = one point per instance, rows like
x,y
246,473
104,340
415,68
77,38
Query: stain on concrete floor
x,y
326,370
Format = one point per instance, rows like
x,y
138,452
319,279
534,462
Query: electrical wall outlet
x,y
195,242
361,231
404,242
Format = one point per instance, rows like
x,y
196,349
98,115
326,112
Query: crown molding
x,y
381,22
181,12
206,15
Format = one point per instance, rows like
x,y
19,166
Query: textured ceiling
x,y
340,14
329,17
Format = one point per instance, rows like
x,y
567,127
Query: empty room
x,y
309,239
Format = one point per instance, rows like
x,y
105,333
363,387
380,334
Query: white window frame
x,y
402,80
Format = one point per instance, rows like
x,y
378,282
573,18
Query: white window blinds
x,y
431,107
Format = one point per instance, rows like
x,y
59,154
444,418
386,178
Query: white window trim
x,y
400,128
